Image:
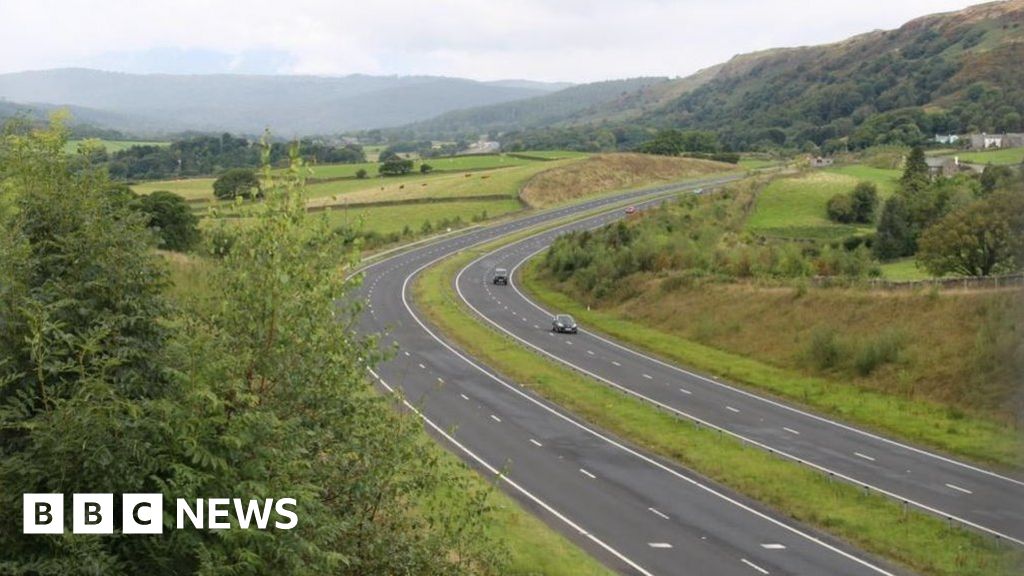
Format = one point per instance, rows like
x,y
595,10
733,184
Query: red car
x,y
631,210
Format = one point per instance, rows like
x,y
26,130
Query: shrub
x,y
823,350
884,349
361,173
237,183
840,209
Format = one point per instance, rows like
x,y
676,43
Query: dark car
x,y
563,323
500,276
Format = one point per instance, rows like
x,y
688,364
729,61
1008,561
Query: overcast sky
x,y
563,40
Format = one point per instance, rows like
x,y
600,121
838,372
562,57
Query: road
x,y
636,513
970,495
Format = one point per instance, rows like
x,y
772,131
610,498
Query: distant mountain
x,y
290,105
954,72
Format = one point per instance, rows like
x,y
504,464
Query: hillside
x,y
953,72
292,105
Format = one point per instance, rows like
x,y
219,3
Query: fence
x,y
965,283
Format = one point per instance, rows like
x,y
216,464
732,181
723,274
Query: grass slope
x,y
607,172
758,337
877,524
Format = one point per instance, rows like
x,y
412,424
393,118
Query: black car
x,y
500,276
563,323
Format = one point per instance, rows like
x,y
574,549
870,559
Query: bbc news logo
x,y
143,513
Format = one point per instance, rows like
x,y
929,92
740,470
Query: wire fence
x,y
965,283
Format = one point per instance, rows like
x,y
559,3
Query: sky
x,y
547,40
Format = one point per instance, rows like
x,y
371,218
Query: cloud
x,y
573,40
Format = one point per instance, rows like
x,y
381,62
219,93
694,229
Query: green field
x,y
188,188
1004,156
794,207
387,219
111,145
904,270
755,163
551,154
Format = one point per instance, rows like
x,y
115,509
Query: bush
x,y
426,168
823,350
885,349
171,218
361,173
395,167
840,209
864,200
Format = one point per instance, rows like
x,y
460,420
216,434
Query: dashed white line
x,y
771,546
648,376
959,489
659,544
422,366
864,456
657,513
587,473
464,397
790,430
495,418
591,352
731,409
569,342
535,443
616,363
685,391
754,566
407,353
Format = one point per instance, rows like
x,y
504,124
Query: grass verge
x,y
919,421
873,522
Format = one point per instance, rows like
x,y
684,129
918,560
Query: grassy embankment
x,y
532,546
875,523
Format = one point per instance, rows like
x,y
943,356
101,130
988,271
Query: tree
x,y
237,183
840,209
426,168
387,155
172,219
994,176
915,172
395,167
979,239
361,173
864,200
895,237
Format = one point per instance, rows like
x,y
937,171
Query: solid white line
x,y
495,418
535,443
658,513
790,430
955,487
587,473
648,376
731,409
659,544
502,477
864,456
754,566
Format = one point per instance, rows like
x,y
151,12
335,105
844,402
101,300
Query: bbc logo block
x,y
93,513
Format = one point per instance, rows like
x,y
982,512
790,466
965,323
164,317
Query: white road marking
x,y
535,443
658,513
754,566
495,418
591,352
773,546
406,353
648,376
864,456
659,544
616,363
536,327
587,473
422,366
569,342
464,397
959,489
685,391
441,380
731,409
790,430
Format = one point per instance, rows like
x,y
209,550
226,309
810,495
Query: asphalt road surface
x,y
636,513
970,495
